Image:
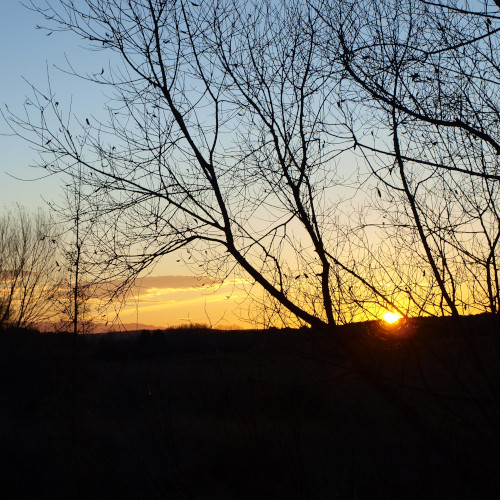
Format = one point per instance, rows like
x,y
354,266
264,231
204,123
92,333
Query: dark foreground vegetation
x,y
412,413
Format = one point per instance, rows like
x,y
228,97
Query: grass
x,y
274,414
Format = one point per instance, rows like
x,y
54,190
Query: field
x,y
362,412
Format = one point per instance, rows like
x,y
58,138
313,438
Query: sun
x,y
391,317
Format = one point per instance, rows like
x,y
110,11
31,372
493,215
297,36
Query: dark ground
x,y
276,414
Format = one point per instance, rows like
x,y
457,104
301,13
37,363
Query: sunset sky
x,y
183,163
171,300
171,295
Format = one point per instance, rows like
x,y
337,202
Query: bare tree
x,y
223,143
29,278
78,300
420,95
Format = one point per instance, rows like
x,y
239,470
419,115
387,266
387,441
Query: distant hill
x,y
126,327
48,326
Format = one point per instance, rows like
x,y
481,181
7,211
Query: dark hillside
x,y
404,412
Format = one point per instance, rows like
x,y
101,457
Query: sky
x,y
170,295
30,57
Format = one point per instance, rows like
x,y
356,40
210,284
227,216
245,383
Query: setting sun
x,y
391,317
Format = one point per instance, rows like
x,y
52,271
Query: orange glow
x,y
391,317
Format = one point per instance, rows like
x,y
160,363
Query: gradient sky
x,y
29,55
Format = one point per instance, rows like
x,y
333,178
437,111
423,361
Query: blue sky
x,y
29,55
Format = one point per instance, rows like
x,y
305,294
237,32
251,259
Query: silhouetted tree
x,y
420,93
29,281
78,300
223,144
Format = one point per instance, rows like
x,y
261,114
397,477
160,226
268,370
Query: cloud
x,y
170,300
174,282
171,290
154,285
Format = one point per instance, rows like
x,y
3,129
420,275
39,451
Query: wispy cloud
x,y
174,282
168,300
